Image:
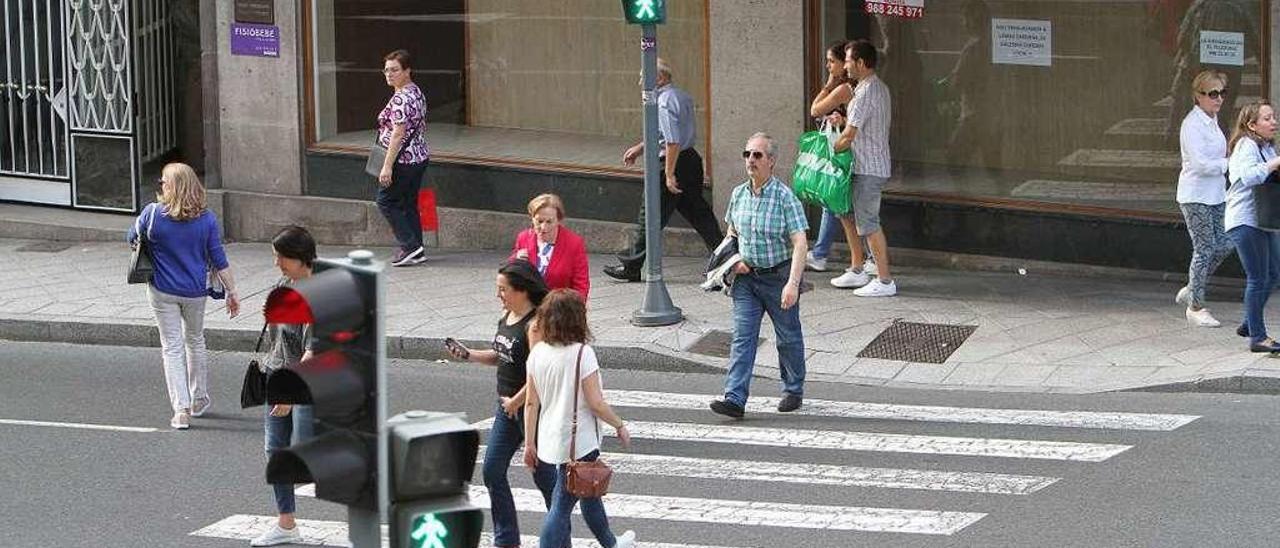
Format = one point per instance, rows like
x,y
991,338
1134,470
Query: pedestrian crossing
x,y
834,431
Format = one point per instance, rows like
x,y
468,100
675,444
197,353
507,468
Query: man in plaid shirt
x,y
770,225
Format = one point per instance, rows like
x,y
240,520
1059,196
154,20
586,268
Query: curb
x,y
242,340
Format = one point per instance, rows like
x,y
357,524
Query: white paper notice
x,y
1021,42
1221,48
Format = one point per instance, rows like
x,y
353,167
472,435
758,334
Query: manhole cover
x,y
715,343
917,342
45,247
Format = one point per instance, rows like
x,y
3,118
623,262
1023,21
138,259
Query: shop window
x,y
544,82
1047,101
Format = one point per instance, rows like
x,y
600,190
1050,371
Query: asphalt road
x,y
1210,482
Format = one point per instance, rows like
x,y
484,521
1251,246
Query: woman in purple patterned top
x,y
402,128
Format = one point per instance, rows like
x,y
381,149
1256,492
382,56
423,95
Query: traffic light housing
x,y
645,12
432,459
342,381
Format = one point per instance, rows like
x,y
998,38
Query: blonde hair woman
x,y
186,245
559,254
1253,159
1202,196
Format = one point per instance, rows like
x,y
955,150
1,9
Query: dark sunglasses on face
x,y
752,154
1215,93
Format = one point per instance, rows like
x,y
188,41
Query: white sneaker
x,y
877,289
851,279
814,263
181,420
277,535
626,540
869,266
201,406
1202,318
1183,297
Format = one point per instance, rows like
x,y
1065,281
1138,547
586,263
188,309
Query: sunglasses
x,y
752,154
1215,93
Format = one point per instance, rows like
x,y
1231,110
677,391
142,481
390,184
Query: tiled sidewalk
x,y
1034,333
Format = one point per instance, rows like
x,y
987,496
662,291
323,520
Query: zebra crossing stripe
x,y
871,441
821,474
334,533
769,514
738,512
925,413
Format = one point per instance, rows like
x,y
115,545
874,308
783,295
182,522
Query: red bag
x,y
427,210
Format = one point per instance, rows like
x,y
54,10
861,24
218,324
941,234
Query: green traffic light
x,y
429,532
644,12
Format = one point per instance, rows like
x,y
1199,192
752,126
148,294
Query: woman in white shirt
x,y
551,403
1202,192
1253,159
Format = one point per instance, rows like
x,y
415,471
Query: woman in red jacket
x,y
558,253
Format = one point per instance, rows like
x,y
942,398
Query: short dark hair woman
x,y
402,129
287,344
520,289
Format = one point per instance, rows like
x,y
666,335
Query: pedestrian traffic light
x,y
645,12
433,456
342,381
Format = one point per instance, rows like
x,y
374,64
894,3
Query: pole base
x,y
657,309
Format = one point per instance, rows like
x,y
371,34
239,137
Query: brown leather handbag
x,y
587,479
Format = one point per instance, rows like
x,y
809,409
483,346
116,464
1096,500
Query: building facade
x,y
1034,129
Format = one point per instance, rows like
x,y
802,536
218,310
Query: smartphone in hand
x,y
456,348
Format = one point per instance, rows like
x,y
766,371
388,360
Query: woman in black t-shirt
x,y
520,289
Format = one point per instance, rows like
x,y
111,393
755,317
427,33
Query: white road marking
x,y
871,441
483,425
82,426
334,533
820,474
769,514
926,413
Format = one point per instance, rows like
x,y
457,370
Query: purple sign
x,y
255,40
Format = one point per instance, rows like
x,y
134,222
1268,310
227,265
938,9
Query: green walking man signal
x,y
429,532
645,12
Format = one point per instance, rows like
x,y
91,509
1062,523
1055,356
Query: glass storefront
x,y
1068,103
551,84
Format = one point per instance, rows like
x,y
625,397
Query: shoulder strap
x,y
577,380
152,219
258,346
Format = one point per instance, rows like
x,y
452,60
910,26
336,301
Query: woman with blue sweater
x,y
1253,158
186,246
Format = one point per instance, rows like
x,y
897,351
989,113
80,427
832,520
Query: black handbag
x,y
1266,200
253,391
142,265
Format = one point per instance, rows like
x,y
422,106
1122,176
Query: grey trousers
x,y
1210,245
186,360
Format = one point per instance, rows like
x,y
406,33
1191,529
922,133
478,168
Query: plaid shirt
x,y
765,222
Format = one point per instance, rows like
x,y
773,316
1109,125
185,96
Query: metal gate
x,y
88,96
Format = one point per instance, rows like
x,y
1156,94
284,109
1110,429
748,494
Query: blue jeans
x,y
280,433
398,203
754,295
555,527
826,234
504,439
1259,252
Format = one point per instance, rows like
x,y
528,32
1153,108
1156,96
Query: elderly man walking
x,y
770,225
681,176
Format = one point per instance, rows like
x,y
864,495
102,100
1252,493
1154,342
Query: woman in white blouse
x,y
1253,160
1202,191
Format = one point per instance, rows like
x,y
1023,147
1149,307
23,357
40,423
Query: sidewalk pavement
x,y
1034,333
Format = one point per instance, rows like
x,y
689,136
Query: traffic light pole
x,y
657,308
364,526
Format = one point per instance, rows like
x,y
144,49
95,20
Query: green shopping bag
x,y
821,175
